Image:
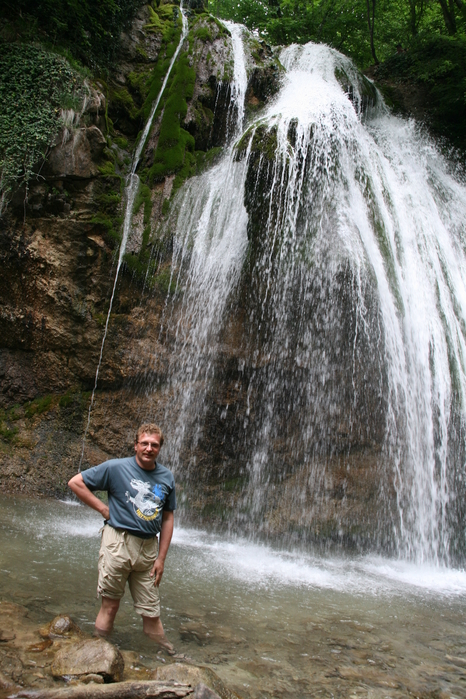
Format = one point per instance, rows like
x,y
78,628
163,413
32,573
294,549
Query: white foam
x,y
261,565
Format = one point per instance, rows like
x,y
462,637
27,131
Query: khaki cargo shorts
x,y
124,557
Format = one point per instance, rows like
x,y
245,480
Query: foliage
x,y
90,30
421,41
344,24
35,84
438,63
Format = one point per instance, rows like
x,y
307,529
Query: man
x,y
141,501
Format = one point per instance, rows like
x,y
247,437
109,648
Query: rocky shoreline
x,y
59,660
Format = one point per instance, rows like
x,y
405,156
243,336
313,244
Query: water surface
x,y
271,623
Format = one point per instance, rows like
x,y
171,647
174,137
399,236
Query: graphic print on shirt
x,y
148,500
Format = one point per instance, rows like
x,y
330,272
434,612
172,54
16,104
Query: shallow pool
x,y
271,623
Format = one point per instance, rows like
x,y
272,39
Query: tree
x,y
370,4
448,10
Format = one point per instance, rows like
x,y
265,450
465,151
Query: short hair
x,y
149,428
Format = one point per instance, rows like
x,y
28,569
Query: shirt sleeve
x,y
170,503
97,477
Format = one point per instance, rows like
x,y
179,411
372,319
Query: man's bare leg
x,y
152,627
106,616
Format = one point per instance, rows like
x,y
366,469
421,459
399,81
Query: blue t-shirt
x,y
136,497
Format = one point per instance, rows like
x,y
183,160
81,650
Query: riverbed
x,y
269,622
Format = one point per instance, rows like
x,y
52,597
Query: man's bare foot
x,y
163,642
101,633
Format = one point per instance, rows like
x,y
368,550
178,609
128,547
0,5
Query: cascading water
x,y
131,189
208,256
325,256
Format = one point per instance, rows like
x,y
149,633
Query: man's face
x,y
147,449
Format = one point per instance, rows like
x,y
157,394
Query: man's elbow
x,y
75,482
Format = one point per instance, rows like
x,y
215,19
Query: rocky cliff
x,y
60,235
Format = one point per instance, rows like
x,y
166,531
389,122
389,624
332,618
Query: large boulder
x,y
90,656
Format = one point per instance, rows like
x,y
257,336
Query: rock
x,y
6,683
198,677
92,677
461,662
76,157
90,656
201,691
196,631
118,690
6,636
12,609
40,647
61,626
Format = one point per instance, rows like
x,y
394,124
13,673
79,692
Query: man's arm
x,y
81,491
166,533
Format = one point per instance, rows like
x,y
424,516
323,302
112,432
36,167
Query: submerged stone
x,y
207,683
61,625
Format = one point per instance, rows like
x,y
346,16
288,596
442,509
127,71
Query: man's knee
x,y
110,606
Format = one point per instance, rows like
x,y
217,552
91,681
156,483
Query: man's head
x,y
148,428
149,439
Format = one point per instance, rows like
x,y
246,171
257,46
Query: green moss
x,y
8,433
175,147
108,169
165,282
170,40
243,143
122,98
203,34
121,142
155,23
13,413
223,31
143,197
102,219
38,406
65,400
206,160
110,198
264,141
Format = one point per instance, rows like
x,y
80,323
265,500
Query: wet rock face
x,y
264,74
57,240
208,117
78,156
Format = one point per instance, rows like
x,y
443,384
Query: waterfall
x,y
321,269
130,191
209,246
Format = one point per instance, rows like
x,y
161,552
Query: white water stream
x,y
207,260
